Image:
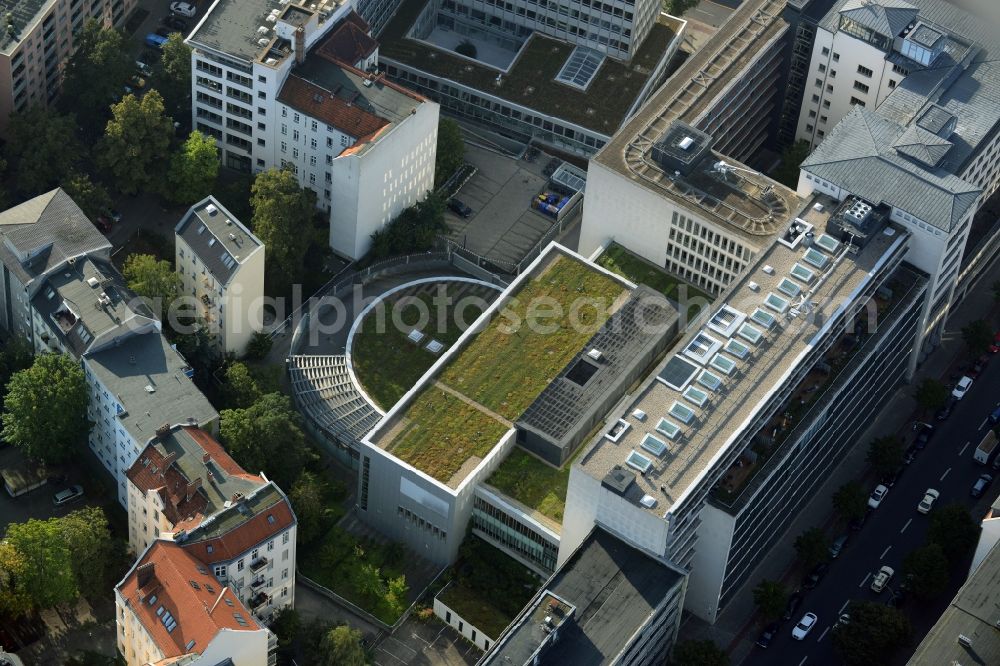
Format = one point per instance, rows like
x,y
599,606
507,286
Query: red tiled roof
x,y
359,21
176,582
219,455
351,119
349,43
267,523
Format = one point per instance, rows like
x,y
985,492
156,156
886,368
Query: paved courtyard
x,y
430,643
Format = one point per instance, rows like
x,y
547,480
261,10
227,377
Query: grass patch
x,y
443,432
476,608
533,483
388,364
636,269
531,80
505,369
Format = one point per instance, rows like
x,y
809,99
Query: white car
x,y
927,503
882,578
877,496
804,626
962,387
183,9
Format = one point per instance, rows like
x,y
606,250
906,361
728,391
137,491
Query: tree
x,y
307,499
342,647
85,533
875,632
370,582
95,75
812,547
885,454
450,153
286,625
173,75
977,336
931,394
47,576
413,230
242,390
267,436
282,213
850,501
770,597
45,409
791,157
43,149
954,530
193,168
259,346
14,599
16,356
699,653
154,280
679,7
91,197
395,594
136,142
928,566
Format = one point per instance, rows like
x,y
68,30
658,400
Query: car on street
x,y
843,620
982,483
183,9
68,495
804,626
962,387
995,416
927,503
815,576
875,499
995,347
142,68
115,216
892,477
838,545
174,23
157,40
945,412
103,222
163,32
767,635
882,578
910,455
924,433
794,601
459,208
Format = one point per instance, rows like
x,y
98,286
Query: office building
x,y
280,84
221,263
36,41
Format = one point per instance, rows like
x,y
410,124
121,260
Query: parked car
x,y
459,208
156,40
804,626
838,545
183,9
882,578
892,477
856,524
995,347
875,499
794,601
979,366
103,223
927,503
137,82
963,386
142,68
174,23
115,216
767,635
843,620
945,412
910,455
924,433
995,416
815,576
982,483
66,496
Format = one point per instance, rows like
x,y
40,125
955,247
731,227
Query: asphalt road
x,y
894,530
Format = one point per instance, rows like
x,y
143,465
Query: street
x,y
894,530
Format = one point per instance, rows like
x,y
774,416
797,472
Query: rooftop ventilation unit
x,y
211,209
263,30
769,269
686,143
263,41
753,286
232,236
595,354
648,501
104,299
639,414
149,388
964,641
858,212
92,281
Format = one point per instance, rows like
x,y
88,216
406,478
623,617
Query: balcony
x,y
258,564
258,601
257,584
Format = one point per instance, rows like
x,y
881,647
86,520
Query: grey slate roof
x,y
858,155
42,233
886,17
143,362
921,145
935,119
925,35
216,236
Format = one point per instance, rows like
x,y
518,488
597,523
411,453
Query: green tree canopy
x,y
929,567
342,647
91,197
193,168
136,142
874,634
45,409
370,583
14,599
173,76
307,499
43,149
95,75
791,157
954,530
47,577
267,437
154,280
977,336
850,501
450,153
931,394
770,597
282,216
885,454
15,356
413,230
85,533
679,7
699,653
242,390
812,547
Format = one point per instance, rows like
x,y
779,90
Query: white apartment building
x,y
299,91
34,49
221,263
170,608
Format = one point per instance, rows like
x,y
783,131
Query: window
x,y
315,126
899,69
829,88
833,73
239,565
812,114
826,51
312,160
857,102
860,86
284,538
836,57
818,83
261,95
284,112
826,104
295,118
262,78
284,574
822,68
864,71
261,111
270,545
809,128
220,570
821,134
815,99
284,129
823,119
892,84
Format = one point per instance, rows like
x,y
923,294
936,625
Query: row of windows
x,y
418,521
513,534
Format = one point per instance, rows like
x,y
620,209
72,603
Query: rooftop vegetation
x,y
534,483
634,268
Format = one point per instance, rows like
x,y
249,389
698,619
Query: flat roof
x,y
749,342
973,614
23,13
219,239
598,600
500,365
531,80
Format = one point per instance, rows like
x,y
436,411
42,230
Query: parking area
x,y
38,502
502,226
713,12
159,20
425,643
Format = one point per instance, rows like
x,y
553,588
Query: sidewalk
x,y
734,629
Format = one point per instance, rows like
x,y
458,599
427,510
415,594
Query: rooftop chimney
x,y
237,498
192,488
163,431
144,574
168,460
300,45
206,458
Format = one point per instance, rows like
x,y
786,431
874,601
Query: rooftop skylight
x,y
789,288
682,412
828,243
801,273
709,380
724,365
750,333
638,462
765,319
668,429
737,349
814,258
654,445
776,303
696,395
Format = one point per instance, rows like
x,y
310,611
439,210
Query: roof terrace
x,y
720,374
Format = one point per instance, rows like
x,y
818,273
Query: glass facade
x,y
510,533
